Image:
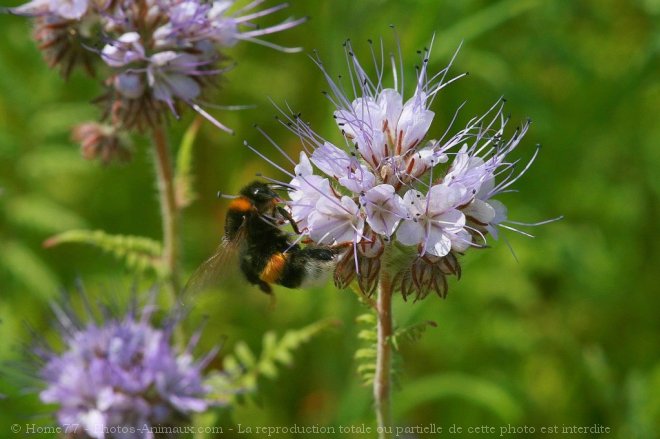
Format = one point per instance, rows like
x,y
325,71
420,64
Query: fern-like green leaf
x,y
411,333
242,368
368,335
183,178
367,318
366,369
365,356
138,253
244,355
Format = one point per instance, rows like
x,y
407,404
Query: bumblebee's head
x,y
260,194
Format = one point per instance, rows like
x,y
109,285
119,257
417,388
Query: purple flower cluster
x,y
392,183
113,379
160,54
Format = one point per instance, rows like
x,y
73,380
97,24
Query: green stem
x,y
382,378
168,208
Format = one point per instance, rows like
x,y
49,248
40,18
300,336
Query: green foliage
x,y
242,369
567,335
138,253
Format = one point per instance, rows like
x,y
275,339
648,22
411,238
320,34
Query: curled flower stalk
x,y
121,374
405,201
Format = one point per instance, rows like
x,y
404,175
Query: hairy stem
x,y
382,379
168,208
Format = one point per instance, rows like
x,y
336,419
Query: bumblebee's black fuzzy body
x,y
267,256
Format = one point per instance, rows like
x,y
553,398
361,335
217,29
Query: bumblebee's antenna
x,y
277,184
226,196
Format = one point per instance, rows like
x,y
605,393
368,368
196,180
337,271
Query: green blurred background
x,y
569,335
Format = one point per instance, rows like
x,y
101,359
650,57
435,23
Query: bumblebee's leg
x,y
289,218
337,248
265,287
316,253
252,276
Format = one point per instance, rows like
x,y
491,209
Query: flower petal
x,y
384,209
442,198
359,180
334,161
410,233
437,242
70,9
304,167
391,104
310,189
480,211
35,7
336,221
413,124
460,241
415,203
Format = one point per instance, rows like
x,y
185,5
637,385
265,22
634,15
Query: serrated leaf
x,y
365,353
411,333
244,355
269,341
284,357
368,378
137,252
250,382
368,335
268,369
231,365
366,368
242,369
369,319
221,388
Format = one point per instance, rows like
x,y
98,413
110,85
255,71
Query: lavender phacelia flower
x,y
158,54
395,185
122,376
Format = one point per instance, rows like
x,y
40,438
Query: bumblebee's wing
x,y
223,261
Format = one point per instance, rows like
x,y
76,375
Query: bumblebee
x,y
266,254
